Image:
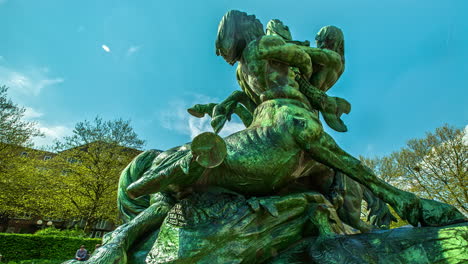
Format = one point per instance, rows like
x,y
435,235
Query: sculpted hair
x,y
235,31
332,38
276,26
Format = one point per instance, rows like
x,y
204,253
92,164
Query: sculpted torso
x,y
265,74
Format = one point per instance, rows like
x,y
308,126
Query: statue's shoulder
x,y
332,54
324,56
270,41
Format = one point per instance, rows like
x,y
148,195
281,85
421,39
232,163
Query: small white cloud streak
x,y
132,50
106,48
30,82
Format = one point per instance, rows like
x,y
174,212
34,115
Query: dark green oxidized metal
x,y
279,191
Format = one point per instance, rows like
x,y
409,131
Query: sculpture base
x,y
447,244
225,227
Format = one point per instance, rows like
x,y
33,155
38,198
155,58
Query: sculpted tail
x,y
129,208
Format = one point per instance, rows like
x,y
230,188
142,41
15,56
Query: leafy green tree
x,y
434,167
14,130
17,174
86,170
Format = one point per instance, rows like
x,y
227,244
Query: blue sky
x,y
406,64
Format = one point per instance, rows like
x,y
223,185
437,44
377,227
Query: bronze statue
x,y
252,194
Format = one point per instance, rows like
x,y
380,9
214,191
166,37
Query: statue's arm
x,y
239,97
324,57
237,102
331,107
276,49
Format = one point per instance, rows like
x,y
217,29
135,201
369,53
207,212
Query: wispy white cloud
x,y
51,134
200,125
80,29
179,120
106,48
30,82
3,1
31,113
370,150
132,50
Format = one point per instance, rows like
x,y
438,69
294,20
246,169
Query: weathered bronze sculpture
x,y
270,192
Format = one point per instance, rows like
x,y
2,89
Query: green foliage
x,y
16,176
16,247
52,231
83,176
433,167
39,261
86,172
13,129
436,166
22,192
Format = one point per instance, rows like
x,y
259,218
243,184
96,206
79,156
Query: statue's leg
x,y
176,168
115,249
350,211
379,213
323,148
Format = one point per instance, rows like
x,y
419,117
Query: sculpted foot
x,y
439,214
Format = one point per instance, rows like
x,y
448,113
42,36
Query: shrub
x,y
52,231
16,247
38,261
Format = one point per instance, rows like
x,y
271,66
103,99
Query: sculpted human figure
x,y
328,65
284,136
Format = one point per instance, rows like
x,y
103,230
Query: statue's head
x,y
331,37
276,27
235,31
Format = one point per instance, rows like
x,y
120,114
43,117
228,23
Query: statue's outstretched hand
x,y
200,110
220,113
334,108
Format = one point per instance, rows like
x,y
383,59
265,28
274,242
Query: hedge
x,y
39,261
15,247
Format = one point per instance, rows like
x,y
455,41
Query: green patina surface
x,y
281,190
